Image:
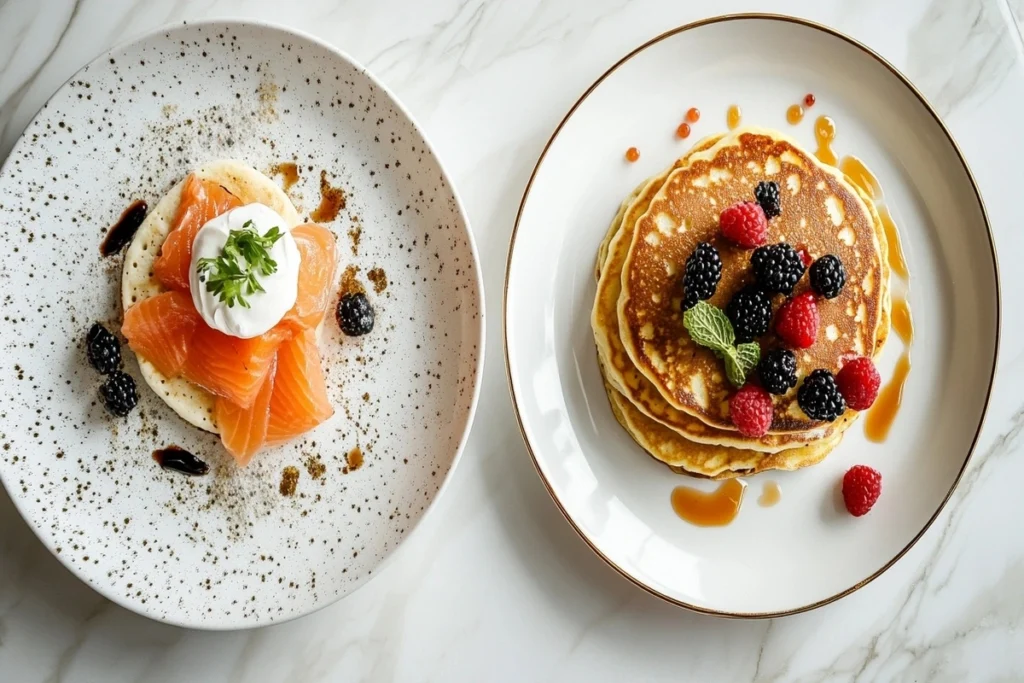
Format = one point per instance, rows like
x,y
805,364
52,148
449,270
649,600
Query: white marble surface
x,y
495,586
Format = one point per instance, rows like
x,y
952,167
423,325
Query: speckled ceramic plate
x,y
229,549
806,550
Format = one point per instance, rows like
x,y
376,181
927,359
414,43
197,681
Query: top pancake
x,y
820,211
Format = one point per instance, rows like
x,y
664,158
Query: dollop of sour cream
x,y
281,287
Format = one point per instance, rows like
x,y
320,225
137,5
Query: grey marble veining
x,y
495,586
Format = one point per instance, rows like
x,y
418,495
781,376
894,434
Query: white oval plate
x,y
806,550
228,550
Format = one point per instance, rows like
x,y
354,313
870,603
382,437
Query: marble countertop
x,y
495,586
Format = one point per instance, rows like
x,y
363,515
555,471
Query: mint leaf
x,y
710,327
739,361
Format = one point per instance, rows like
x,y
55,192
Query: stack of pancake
x,y
668,393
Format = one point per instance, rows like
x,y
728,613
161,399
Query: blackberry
x,y
777,268
703,271
102,349
750,312
777,370
767,195
118,393
355,315
828,276
819,397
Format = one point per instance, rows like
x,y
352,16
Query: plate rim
x,y
872,54
481,327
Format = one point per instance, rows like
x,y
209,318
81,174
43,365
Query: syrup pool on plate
x,y
715,508
771,494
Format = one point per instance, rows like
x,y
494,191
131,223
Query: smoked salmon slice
x,y
268,389
299,400
230,367
243,431
160,329
316,274
201,201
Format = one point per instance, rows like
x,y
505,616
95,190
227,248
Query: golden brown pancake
x,y
619,370
821,211
716,462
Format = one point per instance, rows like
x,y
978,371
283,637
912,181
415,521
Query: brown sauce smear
x,y
354,460
289,480
178,459
379,279
717,508
349,283
315,467
355,235
289,172
122,232
332,201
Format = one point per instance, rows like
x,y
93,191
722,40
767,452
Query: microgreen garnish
x,y
232,275
709,326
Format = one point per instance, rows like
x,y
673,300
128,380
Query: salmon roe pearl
x,y
683,130
632,154
693,115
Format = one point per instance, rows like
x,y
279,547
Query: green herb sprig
x,y
246,254
709,326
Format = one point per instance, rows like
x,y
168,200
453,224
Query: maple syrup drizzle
x,y
881,415
717,508
733,116
902,321
770,494
860,176
897,261
795,114
825,134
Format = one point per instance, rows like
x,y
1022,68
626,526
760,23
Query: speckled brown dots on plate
x,y
248,98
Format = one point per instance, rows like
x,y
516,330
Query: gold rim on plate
x,y
995,266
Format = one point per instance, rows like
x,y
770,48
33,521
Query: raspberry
x,y
797,321
767,194
819,397
744,224
751,410
805,256
750,312
861,487
828,276
703,271
777,268
777,370
858,382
